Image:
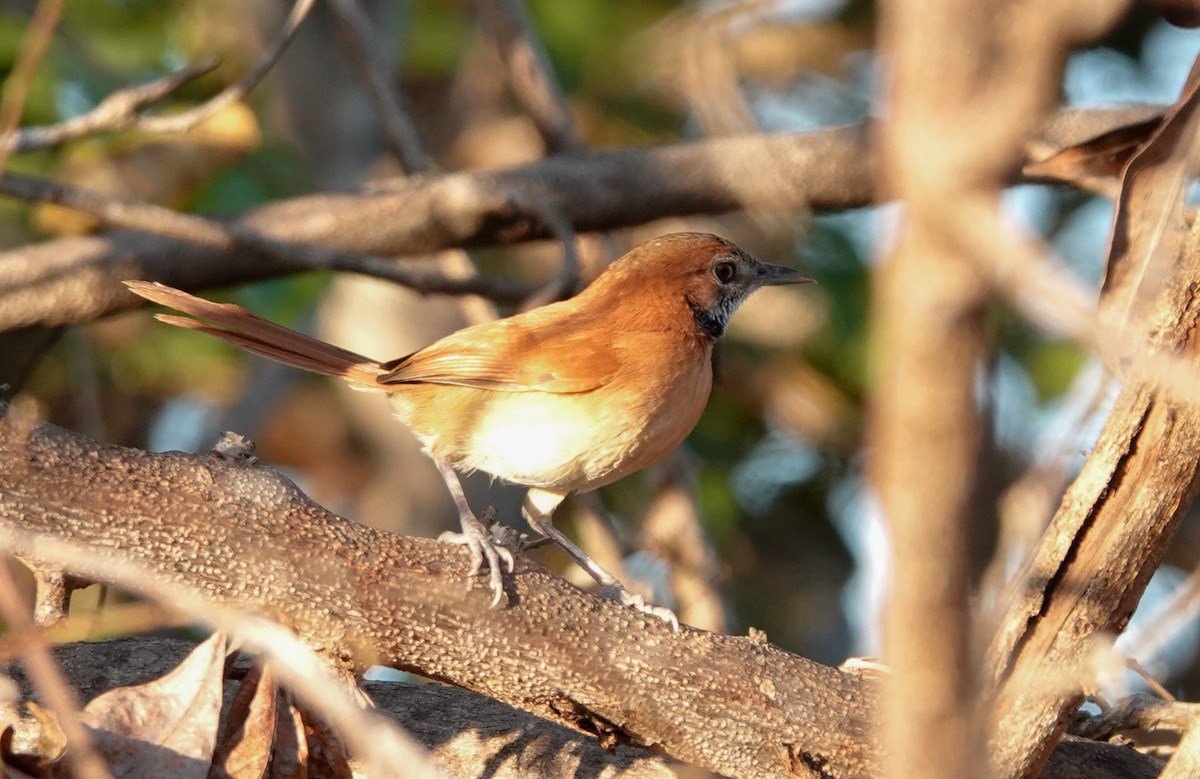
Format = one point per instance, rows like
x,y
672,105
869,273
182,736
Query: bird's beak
x,y
774,275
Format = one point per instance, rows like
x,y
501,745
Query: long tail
x,y
254,334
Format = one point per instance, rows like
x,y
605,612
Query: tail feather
x,y
255,334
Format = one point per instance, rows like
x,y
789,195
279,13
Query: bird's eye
x,y
725,271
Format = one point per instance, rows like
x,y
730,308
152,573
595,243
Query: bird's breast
x,y
570,442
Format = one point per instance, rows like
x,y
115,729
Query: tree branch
x,y
118,111
178,123
250,539
469,733
1106,539
77,279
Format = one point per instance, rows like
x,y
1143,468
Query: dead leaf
x,y
1097,163
290,758
1149,226
245,748
167,727
327,755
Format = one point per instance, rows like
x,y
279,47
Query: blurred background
x,y
763,520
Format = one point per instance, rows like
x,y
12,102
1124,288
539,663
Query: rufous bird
x,y
562,399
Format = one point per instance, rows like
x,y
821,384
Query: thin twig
x,y
358,41
185,121
48,679
529,73
16,87
564,283
1172,614
356,36
118,111
535,86
138,215
1151,682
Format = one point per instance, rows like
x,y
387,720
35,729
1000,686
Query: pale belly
x,y
576,443
566,442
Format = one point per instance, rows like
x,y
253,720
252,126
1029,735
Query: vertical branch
x,y
16,86
969,83
946,166
530,74
375,71
926,429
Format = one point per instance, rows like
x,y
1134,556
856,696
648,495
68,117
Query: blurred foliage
x,y
787,564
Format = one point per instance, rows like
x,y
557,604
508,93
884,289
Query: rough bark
x,y
1106,540
247,536
464,731
250,539
469,734
988,72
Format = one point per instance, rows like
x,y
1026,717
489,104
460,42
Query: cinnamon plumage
x,y
562,399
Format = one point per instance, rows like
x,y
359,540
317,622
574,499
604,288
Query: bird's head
x,y
712,275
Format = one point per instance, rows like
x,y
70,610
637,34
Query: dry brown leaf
x,y
1097,163
327,755
1149,226
290,758
245,748
167,727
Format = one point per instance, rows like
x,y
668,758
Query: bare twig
x,y
1148,678
118,111
122,109
407,147
358,41
185,121
529,73
402,136
16,87
537,89
137,215
563,283
48,679
78,278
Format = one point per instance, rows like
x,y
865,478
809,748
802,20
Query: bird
x,y
562,399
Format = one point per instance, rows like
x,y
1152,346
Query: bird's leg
x,y
539,505
475,535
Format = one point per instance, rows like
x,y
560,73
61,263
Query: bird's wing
x,y
510,357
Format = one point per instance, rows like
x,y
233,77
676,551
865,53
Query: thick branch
x,y
1107,538
78,279
250,539
470,733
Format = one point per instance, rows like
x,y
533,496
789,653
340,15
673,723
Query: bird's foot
x,y
477,536
623,596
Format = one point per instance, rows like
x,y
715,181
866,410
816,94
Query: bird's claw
x,y
478,539
626,598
